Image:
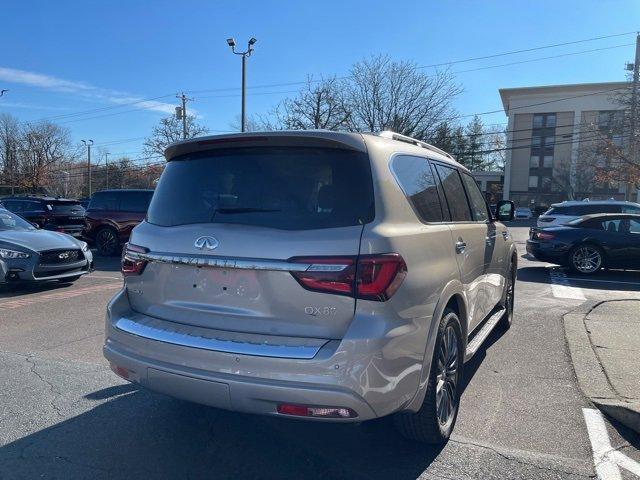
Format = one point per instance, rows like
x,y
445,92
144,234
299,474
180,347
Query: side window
x,y
478,205
419,185
134,202
454,193
13,205
634,226
103,201
630,209
34,207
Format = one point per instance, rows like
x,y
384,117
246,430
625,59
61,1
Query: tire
x,y
107,242
586,259
509,300
434,422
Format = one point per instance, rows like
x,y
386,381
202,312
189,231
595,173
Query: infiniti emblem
x,y
63,255
208,243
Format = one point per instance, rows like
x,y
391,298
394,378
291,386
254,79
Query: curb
x,y
591,377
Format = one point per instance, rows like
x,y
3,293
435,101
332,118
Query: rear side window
x,y
289,188
419,185
134,201
630,209
454,193
103,201
478,205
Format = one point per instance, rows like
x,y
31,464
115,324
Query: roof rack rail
x,y
414,141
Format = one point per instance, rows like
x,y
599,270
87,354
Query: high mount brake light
x,y
369,277
131,264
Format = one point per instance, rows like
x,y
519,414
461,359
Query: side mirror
x,y
505,210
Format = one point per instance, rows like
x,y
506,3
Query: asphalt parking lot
x,y
64,414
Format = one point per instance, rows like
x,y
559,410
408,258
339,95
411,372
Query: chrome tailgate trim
x,y
219,340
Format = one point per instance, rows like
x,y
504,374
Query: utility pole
x,y
247,53
88,143
106,166
634,112
181,113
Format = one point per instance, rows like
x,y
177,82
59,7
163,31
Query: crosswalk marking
x,y
607,460
562,288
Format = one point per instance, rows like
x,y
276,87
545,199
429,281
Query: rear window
x,y
103,201
581,210
71,208
277,187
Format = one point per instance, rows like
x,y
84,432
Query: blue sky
x,y
59,58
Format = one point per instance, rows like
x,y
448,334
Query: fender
x,y
453,288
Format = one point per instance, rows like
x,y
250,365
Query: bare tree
x,y
383,94
320,105
169,130
43,145
9,141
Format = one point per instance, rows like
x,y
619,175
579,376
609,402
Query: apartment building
x,y
550,137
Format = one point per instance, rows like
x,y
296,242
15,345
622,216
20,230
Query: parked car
x,y
111,215
523,213
50,213
562,213
28,254
587,244
315,275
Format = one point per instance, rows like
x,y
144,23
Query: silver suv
x,y
313,274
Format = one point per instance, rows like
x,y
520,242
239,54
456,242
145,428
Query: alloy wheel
x,y
106,242
447,378
586,259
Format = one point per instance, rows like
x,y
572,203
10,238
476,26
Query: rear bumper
x,y
547,252
366,375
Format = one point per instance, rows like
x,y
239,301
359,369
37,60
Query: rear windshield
x,y
72,208
276,187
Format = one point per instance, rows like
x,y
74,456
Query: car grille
x,y
60,257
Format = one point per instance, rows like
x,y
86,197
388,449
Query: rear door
x,y
469,237
229,225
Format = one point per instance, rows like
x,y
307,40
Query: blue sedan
x,y
28,254
589,243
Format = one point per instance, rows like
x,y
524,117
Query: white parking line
x,y
596,280
561,288
606,459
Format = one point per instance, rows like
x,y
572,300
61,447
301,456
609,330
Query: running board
x,y
483,333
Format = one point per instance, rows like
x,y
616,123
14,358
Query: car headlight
x,y
84,246
5,253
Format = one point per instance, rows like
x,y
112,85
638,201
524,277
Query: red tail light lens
x,y
131,264
544,236
369,277
379,276
327,274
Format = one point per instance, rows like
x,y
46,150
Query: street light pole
x,y
88,143
232,43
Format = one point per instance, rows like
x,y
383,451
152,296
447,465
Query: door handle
x,y
460,246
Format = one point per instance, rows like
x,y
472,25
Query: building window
x,y
544,120
547,161
534,161
533,181
545,184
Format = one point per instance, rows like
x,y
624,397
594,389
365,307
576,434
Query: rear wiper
x,y
246,210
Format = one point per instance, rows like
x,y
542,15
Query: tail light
x,y
543,236
131,263
369,277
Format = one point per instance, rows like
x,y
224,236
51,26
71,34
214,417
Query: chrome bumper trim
x,y
221,341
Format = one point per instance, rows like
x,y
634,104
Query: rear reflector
x,y
324,412
131,265
370,277
120,371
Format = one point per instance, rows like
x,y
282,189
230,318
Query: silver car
x,y
29,255
315,275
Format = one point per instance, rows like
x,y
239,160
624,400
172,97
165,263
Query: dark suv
x,y
111,215
50,213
